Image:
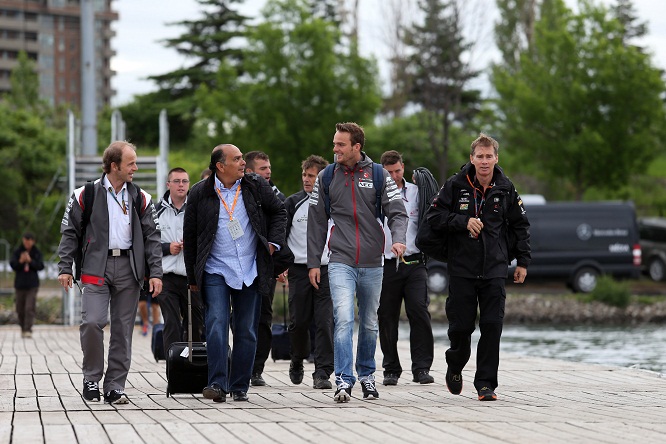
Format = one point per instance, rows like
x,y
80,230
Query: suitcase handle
x,y
189,324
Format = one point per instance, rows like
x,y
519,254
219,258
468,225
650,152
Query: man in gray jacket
x,y
117,244
356,245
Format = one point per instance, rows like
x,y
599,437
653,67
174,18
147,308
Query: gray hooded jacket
x,y
357,237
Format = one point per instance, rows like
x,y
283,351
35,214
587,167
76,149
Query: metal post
x,y
7,257
71,150
163,160
88,87
117,126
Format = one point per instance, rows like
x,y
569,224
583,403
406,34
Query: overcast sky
x,y
143,23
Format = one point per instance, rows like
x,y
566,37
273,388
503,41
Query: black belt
x,y
118,252
418,257
412,259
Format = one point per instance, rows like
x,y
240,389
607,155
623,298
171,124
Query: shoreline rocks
x,y
550,309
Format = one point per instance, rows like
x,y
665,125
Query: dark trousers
x,y
264,333
307,304
219,300
464,296
173,303
409,283
26,305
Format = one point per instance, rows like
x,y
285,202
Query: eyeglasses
x,y
179,181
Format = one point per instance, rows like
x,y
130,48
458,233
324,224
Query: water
x,y
640,347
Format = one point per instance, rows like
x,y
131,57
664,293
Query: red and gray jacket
x,y
146,246
357,237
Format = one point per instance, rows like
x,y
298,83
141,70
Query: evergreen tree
x,y
439,75
514,31
215,38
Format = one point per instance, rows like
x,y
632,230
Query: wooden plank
x,y
91,433
27,427
184,432
122,434
59,433
155,434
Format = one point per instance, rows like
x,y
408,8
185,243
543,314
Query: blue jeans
x,y
218,300
366,283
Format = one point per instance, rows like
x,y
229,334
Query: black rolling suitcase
x,y
280,346
189,373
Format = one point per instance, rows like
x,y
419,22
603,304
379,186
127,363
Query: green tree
x,y
32,152
214,38
439,76
625,13
24,82
583,108
514,32
299,82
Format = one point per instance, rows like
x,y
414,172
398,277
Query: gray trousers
x,y
119,296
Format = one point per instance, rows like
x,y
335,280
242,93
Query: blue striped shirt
x,y
235,260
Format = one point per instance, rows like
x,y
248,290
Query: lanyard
x,y
233,206
478,206
113,194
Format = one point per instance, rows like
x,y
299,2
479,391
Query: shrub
x,y
611,292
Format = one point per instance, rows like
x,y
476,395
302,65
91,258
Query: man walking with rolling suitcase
x,y
233,224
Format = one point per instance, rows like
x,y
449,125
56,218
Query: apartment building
x,y
49,31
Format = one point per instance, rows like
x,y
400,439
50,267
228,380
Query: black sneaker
x,y
369,387
487,394
115,397
91,391
454,382
214,392
321,383
343,391
391,379
257,381
296,371
423,377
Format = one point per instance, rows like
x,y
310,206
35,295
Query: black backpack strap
x,y
88,200
378,183
138,199
326,179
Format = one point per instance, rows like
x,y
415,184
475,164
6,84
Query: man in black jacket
x,y
26,262
258,162
480,208
233,225
307,303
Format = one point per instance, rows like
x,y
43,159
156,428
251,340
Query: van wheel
x,y
657,269
585,280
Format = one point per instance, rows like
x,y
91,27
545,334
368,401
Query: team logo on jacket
x,y
464,207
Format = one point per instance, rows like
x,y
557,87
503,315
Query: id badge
x,y
235,229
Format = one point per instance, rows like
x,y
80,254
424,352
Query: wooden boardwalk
x,y
540,400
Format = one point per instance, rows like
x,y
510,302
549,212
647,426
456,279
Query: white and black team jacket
x,y
297,228
171,225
